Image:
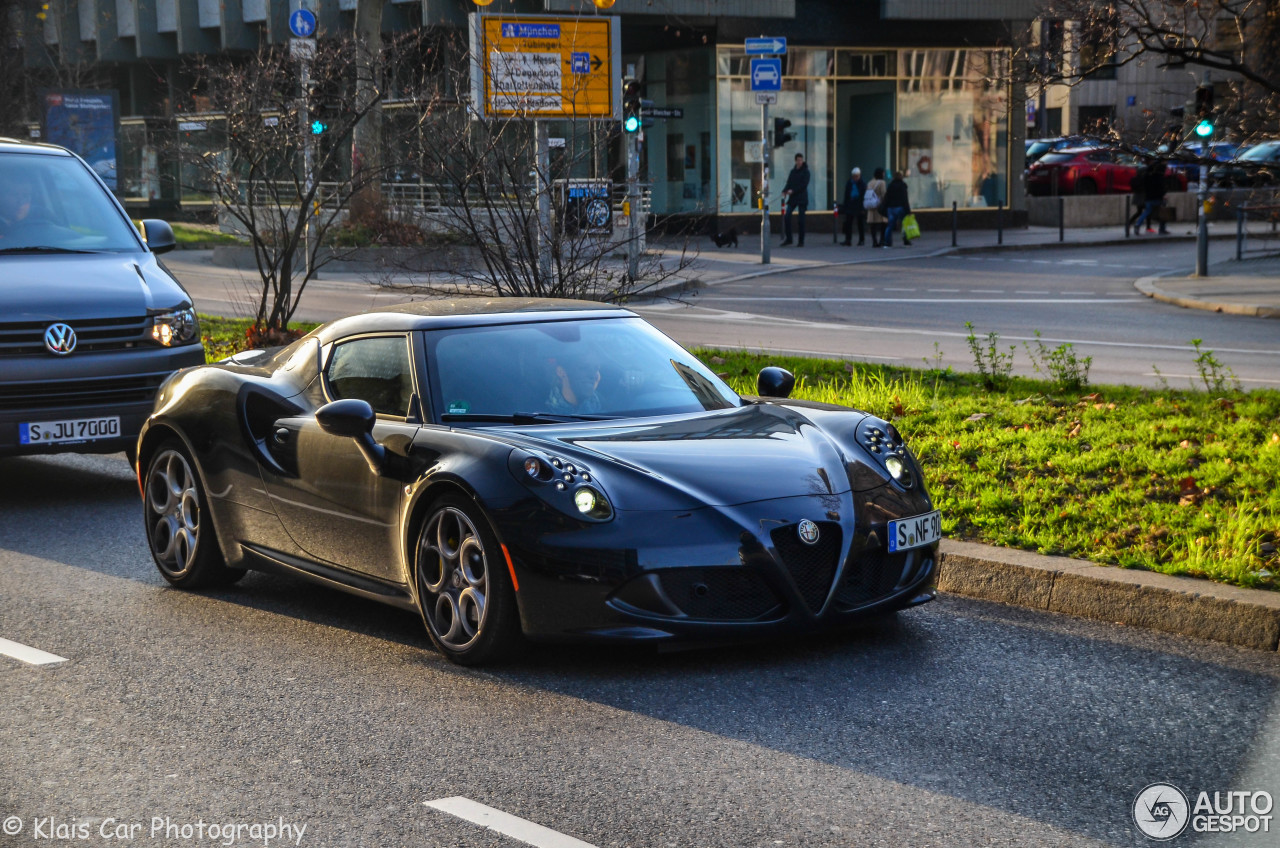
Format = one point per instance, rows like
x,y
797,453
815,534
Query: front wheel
x,y
180,534
465,595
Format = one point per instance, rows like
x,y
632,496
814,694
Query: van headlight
x,y
178,327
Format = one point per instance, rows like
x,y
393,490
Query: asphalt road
x,y
957,724
908,310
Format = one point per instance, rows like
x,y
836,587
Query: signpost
x,y
766,82
302,47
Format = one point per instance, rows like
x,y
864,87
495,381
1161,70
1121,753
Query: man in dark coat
x,y
851,208
897,205
1154,182
795,196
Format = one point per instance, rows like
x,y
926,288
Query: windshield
x,y
1038,149
602,368
53,203
1261,153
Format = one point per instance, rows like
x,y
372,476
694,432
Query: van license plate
x,y
68,430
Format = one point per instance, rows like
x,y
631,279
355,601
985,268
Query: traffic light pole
x,y
766,157
1202,223
633,205
308,164
542,152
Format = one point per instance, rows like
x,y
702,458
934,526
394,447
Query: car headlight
x,y
883,441
565,484
178,327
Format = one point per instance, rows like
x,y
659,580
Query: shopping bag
x,y
910,229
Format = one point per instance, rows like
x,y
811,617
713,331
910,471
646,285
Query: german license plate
x,y
68,430
907,533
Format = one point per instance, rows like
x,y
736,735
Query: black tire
x,y
465,596
179,532
1086,186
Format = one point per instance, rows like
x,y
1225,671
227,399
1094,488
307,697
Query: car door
x,y
333,505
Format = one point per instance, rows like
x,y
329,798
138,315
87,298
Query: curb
x,y
1149,287
1186,606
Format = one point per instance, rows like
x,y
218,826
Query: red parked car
x,y
1089,171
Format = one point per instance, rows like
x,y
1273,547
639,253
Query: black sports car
x,y
537,468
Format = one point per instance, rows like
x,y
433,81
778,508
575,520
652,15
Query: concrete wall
x,y
1099,210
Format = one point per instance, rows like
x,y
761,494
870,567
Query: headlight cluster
x,y
178,327
883,441
570,486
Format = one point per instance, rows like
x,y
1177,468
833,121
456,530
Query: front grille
x,y
812,567
61,394
26,338
873,574
718,594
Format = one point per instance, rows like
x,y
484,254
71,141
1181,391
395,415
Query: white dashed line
x,y
27,654
1036,291
506,824
987,291
891,288
944,291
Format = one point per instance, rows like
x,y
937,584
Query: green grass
x,y
1179,482
201,235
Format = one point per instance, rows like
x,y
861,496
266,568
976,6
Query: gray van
x,y
90,323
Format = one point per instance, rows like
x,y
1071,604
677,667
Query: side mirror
x,y
354,419
159,235
775,382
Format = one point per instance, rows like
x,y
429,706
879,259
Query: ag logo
x,y
60,339
808,532
1161,811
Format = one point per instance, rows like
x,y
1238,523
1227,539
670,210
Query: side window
x,y
376,370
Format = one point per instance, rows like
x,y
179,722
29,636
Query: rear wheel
x,y
180,534
464,592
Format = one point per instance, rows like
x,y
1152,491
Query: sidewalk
x,y
1249,287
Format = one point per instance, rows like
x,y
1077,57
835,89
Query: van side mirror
x,y
775,382
159,235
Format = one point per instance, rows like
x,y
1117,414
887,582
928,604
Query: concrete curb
x,y
1187,606
1150,287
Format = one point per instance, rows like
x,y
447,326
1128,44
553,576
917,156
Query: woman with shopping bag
x,y
897,206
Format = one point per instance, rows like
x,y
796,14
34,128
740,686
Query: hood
x,y
751,453
40,287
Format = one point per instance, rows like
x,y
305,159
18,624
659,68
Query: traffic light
x,y
1204,111
780,134
318,127
632,103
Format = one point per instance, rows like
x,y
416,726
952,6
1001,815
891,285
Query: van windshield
x,y
52,203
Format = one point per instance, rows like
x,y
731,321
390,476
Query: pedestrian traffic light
x,y
1204,129
632,103
318,127
780,134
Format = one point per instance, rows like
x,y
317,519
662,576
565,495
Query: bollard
x,y
1128,213
835,225
954,218
1240,232
1062,219
1000,222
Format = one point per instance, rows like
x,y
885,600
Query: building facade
x,y
921,86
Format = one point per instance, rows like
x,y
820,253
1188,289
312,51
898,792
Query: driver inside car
x,y
15,199
573,386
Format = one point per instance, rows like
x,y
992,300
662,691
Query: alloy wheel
x,y
173,512
453,578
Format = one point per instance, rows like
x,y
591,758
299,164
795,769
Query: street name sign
x,y
766,74
543,66
662,112
766,46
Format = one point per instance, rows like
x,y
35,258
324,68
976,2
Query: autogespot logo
x,y
1160,811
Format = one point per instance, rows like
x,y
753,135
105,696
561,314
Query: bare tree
x,y
261,180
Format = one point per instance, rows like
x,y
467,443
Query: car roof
x,y
471,312
17,145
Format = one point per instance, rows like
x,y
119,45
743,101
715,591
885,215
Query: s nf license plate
x,y
907,533
68,430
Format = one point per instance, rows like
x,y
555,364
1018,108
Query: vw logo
x,y
60,339
808,532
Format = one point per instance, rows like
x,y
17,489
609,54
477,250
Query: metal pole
x,y
308,162
1000,222
1202,231
1240,213
1062,218
542,151
955,216
766,157
635,222
1128,213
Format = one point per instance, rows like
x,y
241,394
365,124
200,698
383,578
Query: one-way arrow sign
x,y
766,46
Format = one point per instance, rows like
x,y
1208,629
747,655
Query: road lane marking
x,y
893,288
1035,291
987,291
506,824
1135,297
944,291
27,654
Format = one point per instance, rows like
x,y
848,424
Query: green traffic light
x,y
1204,129
631,124
317,127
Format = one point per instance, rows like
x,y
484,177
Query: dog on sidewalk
x,y
728,237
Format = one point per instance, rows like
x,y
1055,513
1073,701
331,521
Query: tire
x,y
1086,186
464,592
179,532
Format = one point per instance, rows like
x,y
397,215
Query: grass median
x,y
1181,482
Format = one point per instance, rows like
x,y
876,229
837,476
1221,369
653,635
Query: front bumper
x,y
720,573
123,383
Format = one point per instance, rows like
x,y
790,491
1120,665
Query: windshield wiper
x,y
521,417
42,248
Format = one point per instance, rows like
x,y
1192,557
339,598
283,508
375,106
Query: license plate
x,y
907,533
68,430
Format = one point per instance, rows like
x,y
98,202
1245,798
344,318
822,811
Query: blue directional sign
x,y
766,74
766,46
302,23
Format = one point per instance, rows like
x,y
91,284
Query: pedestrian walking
x,y
851,208
897,205
1138,186
1154,184
796,198
873,203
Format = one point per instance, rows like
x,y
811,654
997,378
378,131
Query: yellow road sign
x,y
536,66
